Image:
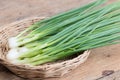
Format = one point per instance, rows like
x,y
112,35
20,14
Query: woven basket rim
x,y
19,21
40,66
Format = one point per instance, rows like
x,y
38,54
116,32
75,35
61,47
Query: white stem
x,y
15,53
12,42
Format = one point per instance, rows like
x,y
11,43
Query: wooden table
x,y
105,58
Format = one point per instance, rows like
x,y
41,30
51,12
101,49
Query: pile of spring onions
x,y
68,33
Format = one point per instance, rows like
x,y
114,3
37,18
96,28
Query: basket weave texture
x,y
48,70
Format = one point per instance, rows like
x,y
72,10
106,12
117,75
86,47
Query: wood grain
x,y
105,58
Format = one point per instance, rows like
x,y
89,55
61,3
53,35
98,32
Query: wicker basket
x,y
48,70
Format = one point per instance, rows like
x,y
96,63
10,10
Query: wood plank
x,y
105,58
114,76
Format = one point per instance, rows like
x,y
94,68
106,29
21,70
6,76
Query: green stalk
x,y
78,32
63,35
49,29
81,41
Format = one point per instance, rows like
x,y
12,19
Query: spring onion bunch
x,y
68,33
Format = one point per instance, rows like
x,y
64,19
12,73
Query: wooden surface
x,y
105,58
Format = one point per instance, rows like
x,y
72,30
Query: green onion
x,y
66,34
